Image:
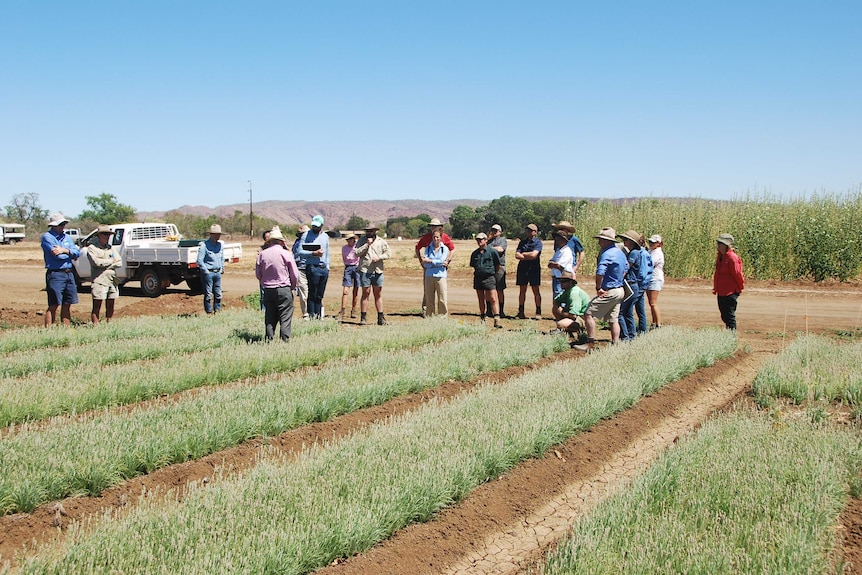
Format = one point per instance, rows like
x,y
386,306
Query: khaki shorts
x,y
102,292
607,307
570,324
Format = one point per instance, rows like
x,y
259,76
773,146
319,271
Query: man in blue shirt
x,y
59,251
211,265
610,271
314,248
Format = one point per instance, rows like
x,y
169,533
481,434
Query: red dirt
x,y
767,310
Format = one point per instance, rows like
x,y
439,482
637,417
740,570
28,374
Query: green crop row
x,y
39,396
84,456
158,328
802,238
742,496
812,369
229,328
336,500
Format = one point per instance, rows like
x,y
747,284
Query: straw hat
x,y
609,234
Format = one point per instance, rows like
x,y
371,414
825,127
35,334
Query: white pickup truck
x,y
153,254
11,233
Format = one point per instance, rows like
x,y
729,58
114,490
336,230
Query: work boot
x,y
497,321
363,319
341,315
538,313
521,312
353,313
381,319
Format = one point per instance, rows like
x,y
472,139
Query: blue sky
x,y
170,103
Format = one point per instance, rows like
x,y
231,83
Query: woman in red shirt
x,y
728,282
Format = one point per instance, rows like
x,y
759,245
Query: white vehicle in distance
x,y
155,255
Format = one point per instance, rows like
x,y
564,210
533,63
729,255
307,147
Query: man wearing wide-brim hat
x,y
211,265
610,270
59,251
574,244
638,277
433,226
727,281
278,275
372,253
104,261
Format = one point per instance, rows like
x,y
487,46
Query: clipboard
x,y
627,291
311,247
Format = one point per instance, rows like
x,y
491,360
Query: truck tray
x,y
188,243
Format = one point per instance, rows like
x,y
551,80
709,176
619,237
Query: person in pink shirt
x,y
350,280
278,276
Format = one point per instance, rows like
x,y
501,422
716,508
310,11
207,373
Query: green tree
x,y
464,221
25,209
105,209
513,215
356,223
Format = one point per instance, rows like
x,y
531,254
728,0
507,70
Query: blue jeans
x,y
317,278
556,288
212,291
640,308
627,315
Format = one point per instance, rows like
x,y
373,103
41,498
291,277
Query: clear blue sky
x,y
165,103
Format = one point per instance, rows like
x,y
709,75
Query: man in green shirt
x,y
570,306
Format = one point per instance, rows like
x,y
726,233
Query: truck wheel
x,y
151,282
196,286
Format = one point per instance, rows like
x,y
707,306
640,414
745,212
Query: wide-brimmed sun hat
x,y
104,229
435,222
371,227
275,234
564,225
631,235
215,229
58,219
351,237
725,239
609,234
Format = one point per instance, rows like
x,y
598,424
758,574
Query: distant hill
x,y
335,213
375,211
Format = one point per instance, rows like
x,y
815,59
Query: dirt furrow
x,y
505,525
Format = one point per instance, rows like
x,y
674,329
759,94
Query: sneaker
x,y
353,314
305,317
363,321
580,347
381,320
555,331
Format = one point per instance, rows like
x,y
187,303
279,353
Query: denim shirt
x,y
62,261
438,257
311,237
210,257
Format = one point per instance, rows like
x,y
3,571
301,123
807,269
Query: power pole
x,y
250,213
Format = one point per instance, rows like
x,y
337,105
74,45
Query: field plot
x,y
751,492
341,498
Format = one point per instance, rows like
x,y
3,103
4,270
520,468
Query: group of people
x,y
60,251
304,269
629,274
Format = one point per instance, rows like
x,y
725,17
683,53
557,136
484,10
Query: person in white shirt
x,y
655,251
